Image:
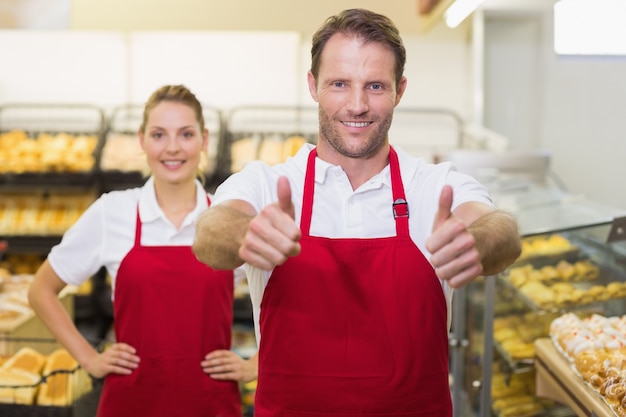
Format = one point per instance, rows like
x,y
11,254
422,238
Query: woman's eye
x,y
157,135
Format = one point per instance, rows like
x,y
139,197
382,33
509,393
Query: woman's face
x,y
173,142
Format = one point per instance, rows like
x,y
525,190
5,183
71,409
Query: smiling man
x,y
352,247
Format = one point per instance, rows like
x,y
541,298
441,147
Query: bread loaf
x,y
18,386
58,387
27,359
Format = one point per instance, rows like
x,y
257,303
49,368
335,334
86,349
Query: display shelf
x,y
594,230
50,144
30,244
557,380
515,366
49,179
124,166
28,326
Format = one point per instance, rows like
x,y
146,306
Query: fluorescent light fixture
x,y
459,10
583,27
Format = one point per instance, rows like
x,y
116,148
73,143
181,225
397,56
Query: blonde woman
x,y
172,314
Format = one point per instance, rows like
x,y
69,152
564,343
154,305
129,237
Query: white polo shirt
x,y
105,233
340,212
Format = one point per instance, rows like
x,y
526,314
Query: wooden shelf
x,y
557,380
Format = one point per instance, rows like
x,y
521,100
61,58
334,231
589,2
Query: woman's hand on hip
x,y
119,358
227,365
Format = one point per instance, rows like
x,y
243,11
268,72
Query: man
x,y
352,248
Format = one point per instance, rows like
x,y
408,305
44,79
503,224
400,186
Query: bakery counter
x,y
555,379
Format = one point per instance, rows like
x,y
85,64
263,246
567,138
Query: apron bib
x,y
173,310
354,326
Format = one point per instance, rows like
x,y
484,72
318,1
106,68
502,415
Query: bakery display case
x,y
582,363
273,133
49,156
37,378
48,144
573,260
266,133
49,159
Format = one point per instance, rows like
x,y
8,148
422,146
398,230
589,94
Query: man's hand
x,y
273,234
454,254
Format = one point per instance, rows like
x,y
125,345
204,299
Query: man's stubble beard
x,y
372,145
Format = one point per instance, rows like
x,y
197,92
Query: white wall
x,y
571,106
583,121
226,70
106,69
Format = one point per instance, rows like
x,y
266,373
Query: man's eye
x,y
377,87
338,84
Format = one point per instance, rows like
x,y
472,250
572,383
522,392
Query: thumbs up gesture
x,y
273,235
453,250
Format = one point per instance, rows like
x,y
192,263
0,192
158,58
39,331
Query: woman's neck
x,y
176,200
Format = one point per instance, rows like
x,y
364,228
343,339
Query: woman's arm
x,y
43,295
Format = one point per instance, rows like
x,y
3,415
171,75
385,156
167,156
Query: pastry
x,y
614,393
521,409
23,386
586,270
26,359
565,270
549,274
599,293
62,388
512,401
292,145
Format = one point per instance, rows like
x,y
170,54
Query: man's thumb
x,y
445,206
284,196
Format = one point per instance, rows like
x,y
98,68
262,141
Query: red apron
x,y
173,310
354,326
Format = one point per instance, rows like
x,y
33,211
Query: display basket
x,y
122,162
258,132
67,391
50,143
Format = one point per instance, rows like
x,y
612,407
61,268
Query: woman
x,y
172,314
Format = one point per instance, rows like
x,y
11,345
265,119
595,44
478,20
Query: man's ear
x,y
312,85
401,89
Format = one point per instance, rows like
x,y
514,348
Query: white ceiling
x,y
519,5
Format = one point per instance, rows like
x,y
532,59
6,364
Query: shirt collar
x,y
149,208
322,167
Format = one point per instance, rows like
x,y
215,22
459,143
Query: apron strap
x,y
138,223
307,198
400,207
138,229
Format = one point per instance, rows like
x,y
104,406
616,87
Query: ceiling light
x,y
459,10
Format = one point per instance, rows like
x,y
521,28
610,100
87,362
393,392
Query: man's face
x,y
356,91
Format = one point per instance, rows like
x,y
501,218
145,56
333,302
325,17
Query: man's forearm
x,y
219,235
498,241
